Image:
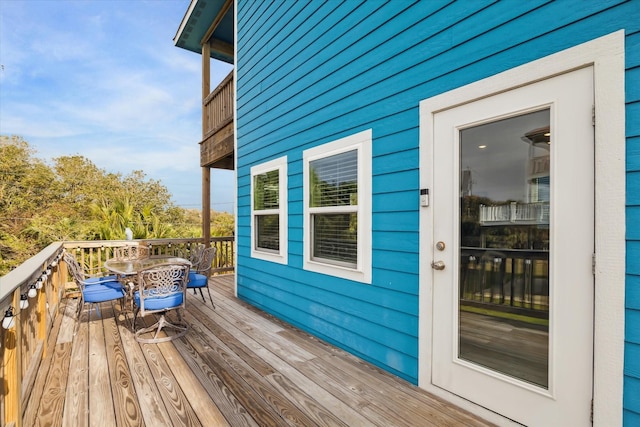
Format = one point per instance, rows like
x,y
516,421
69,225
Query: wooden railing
x,y
93,254
29,297
515,280
216,148
515,213
218,106
29,305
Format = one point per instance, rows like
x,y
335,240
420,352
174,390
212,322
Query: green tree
x,y
73,199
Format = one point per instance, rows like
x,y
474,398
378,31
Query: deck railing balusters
x,y
24,344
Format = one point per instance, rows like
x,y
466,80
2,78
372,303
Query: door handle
x,y
437,265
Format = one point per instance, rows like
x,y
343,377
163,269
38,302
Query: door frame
x,y
606,55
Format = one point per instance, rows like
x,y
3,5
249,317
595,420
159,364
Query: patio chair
x,y
130,252
160,289
195,253
200,273
93,290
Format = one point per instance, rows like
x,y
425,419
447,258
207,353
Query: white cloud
x,y
103,80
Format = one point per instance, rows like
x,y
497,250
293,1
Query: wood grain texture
x,y
76,404
237,366
125,400
33,402
101,405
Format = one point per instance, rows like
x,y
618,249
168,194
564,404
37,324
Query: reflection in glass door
x,y
504,246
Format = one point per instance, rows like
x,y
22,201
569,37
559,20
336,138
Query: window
x,y
337,208
269,211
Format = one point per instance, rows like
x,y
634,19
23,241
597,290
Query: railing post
x,y
12,361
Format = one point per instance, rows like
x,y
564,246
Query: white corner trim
x,y
606,54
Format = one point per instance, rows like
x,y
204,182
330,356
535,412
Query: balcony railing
x,y
216,148
29,304
515,213
515,280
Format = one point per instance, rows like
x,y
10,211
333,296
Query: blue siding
x,y
310,72
632,300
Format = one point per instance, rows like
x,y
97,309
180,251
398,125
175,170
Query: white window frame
x,y
281,256
361,142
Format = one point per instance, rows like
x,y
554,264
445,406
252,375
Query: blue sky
x,y
103,79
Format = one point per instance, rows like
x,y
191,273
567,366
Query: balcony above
x,y
216,147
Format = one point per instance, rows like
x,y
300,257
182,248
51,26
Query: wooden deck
x,y
237,366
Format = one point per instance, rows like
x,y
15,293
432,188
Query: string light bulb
x,y
32,291
9,318
48,272
39,283
24,302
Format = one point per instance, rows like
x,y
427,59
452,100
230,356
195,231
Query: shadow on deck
x,y
237,366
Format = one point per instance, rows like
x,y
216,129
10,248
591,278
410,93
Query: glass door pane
x,y
505,187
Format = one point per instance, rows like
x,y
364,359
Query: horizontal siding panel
x,y
389,137
396,221
317,62
632,292
632,220
633,187
632,45
394,202
632,84
631,397
261,22
340,66
394,181
633,252
398,161
633,126
632,360
487,44
324,302
633,154
279,31
399,281
283,57
338,289
632,331
397,261
396,241
630,418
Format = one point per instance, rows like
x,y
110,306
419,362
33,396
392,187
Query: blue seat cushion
x,y
101,279
197,280
100,292
159,303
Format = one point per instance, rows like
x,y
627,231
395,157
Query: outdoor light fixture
x,y
8,320
32,291
39,283
54,262
24,302
48,272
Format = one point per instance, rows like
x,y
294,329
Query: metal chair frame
x,y
203,266
153,285
85,282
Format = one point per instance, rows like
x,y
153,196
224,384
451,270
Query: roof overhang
x,y
212,19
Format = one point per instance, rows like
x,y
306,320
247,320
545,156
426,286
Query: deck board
x,y
237,366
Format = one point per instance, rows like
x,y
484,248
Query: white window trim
x,y
606,55
362,142
279,164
